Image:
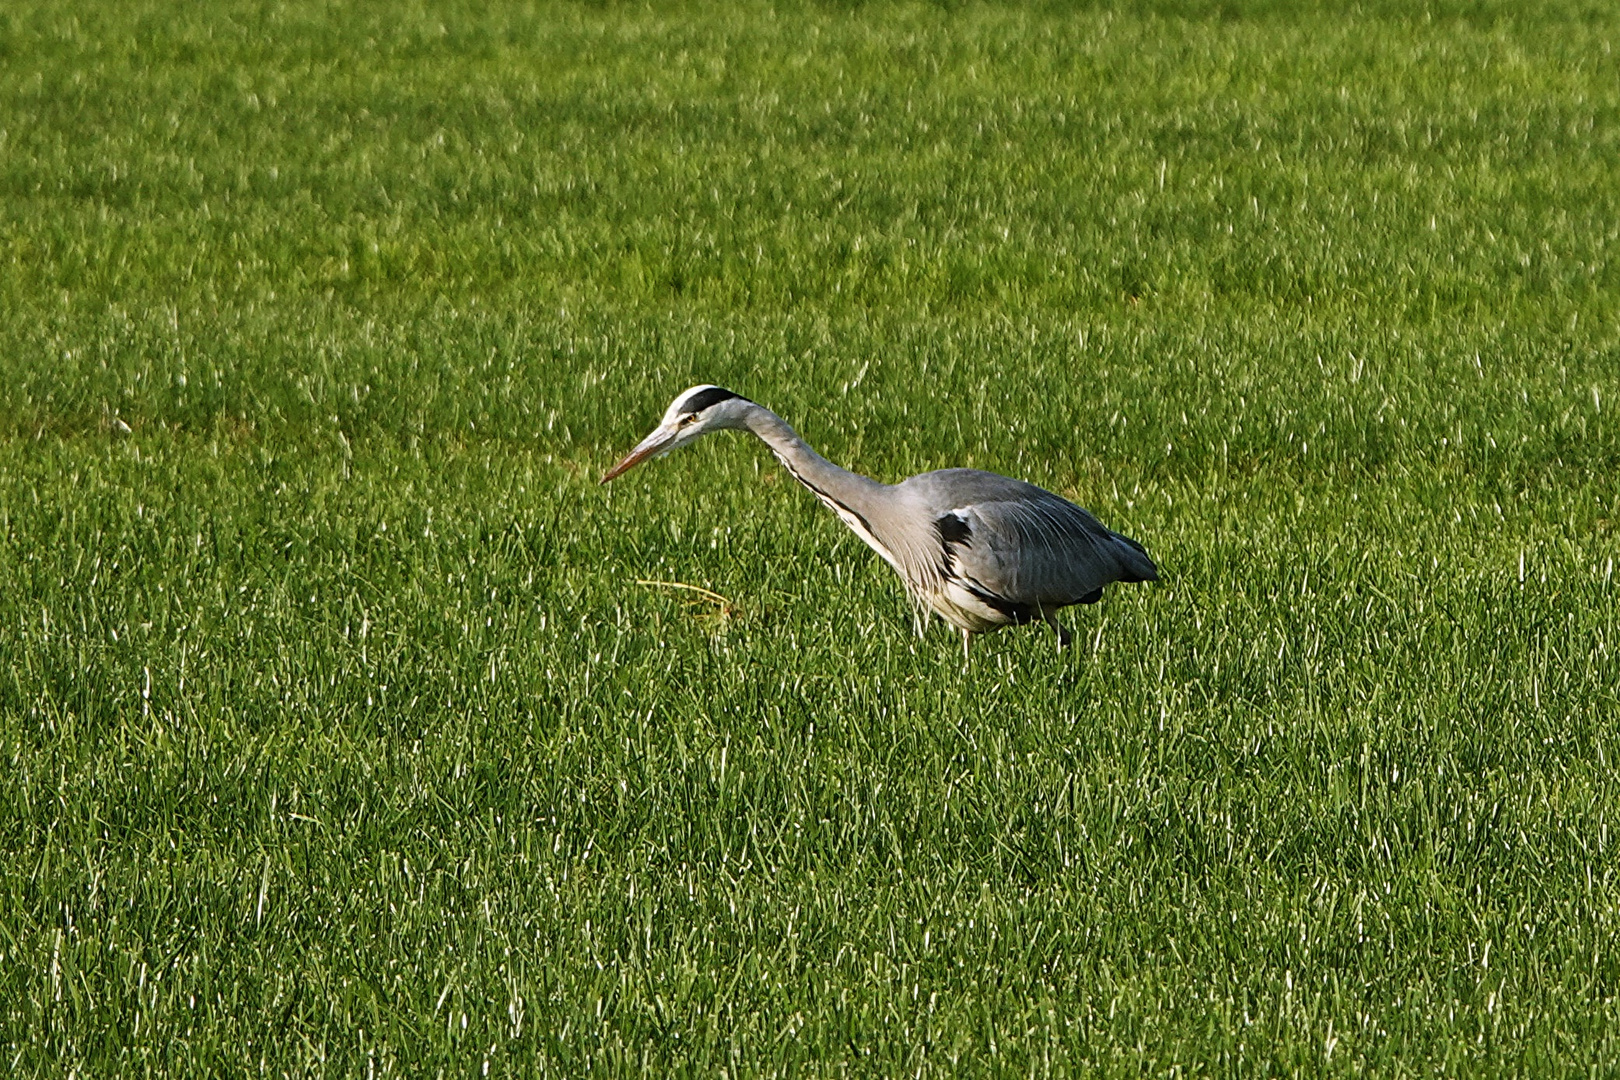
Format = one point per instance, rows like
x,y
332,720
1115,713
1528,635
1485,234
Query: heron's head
x,y
694,412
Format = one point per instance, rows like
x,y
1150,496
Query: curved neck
x,y
839,488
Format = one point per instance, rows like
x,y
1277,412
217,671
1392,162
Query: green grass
x,y
339,735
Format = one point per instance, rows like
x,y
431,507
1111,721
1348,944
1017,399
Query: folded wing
x,y
1021,546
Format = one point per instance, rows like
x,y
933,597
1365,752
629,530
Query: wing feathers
x,y
985,550
1044,551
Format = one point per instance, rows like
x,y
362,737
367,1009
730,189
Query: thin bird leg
x,y
1062,634
967,636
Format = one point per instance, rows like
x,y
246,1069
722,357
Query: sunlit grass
x,y
348,722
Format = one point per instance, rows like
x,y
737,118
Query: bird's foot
x,y
1063,635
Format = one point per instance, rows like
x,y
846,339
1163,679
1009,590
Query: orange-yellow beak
x,y
657,443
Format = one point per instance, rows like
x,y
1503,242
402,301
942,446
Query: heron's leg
x,y
967,636
1062,634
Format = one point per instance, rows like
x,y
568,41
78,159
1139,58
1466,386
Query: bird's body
x,y
981,550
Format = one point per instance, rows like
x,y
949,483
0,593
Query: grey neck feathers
x,y
843,488
865,505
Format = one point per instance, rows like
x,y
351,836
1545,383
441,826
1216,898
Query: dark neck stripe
x,y
828,498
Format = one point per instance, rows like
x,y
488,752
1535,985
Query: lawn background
x,y
340,734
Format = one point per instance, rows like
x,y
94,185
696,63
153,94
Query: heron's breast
x,y
971,609
858,525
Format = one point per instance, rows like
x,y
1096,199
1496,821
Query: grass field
x,y
339,735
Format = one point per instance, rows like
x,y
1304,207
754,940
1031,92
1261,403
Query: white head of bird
x,y
693,413
982,551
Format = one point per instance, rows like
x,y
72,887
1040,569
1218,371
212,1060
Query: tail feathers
x,y
1134,563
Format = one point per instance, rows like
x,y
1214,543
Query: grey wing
x,y
1027,546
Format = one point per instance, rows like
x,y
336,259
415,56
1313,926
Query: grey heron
x,y
981,550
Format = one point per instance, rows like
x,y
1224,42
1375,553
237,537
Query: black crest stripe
x,y
714,395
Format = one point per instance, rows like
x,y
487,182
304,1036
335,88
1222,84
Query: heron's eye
x,y
689,418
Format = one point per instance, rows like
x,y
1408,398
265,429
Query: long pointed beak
x,y
653,445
